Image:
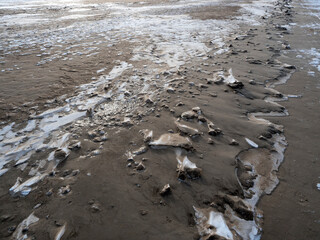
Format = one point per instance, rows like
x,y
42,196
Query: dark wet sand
x,y
292,211
109,200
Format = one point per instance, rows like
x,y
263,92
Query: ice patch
x,y
80,10
30,126
256,10
217,221
30,138
211,223
311,73
313,56
101,70
75,16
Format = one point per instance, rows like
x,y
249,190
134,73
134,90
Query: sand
x,y
159,120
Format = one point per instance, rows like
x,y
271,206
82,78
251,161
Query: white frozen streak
x,y
313,55
18,233
3,171
252,143
25,187
60,232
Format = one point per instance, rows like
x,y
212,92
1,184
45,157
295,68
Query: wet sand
x,y
160,121
296,199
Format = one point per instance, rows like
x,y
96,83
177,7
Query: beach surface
x,y
159,119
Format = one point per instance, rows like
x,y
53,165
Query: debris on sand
x,y
143,212
147,135
75,145
186,168
197,110
95,207
166,190
130,157
233,142
187,130
240,206
236,85
98,135
61,154
141,150
64,190
171,90
148,100
189,115
140,167
213,130
172,140
218,77
288,66
127,122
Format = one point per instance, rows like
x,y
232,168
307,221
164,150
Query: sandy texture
x,y
159,120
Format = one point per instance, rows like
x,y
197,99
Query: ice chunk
x,y
30,126
230,78
173,140
187,130
252,143
60,232
212,224
217,221
20,233
186,168
24,188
